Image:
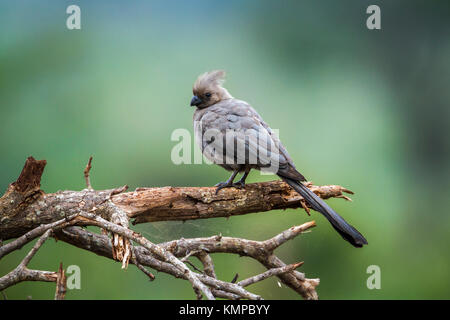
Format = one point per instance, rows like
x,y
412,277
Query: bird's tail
x,y
345,230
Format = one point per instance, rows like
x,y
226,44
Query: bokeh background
x,y
367,109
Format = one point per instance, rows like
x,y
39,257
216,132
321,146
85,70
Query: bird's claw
x,y
222,185
239,185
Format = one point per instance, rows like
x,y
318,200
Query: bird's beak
x,y
195,101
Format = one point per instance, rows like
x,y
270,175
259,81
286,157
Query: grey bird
x,y
233,135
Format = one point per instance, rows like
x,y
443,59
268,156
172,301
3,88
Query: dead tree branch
x,y
26,212
33,234
21,212
22,273
269,273
86,174
61,288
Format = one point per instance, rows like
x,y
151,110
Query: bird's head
x,y
208,89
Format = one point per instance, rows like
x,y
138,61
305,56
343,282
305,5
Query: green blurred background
x,y
367,109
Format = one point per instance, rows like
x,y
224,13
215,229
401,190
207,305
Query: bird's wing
x,y
286,165
245,138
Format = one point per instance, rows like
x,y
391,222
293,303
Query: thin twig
x,y
189,254
228,287
61,286
208,264
35,248
269,273
287,235
86,174
22,273
135,261
193,266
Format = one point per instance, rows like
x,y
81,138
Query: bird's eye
x,y
208,95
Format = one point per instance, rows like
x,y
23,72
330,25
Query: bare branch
x,y
155,249
100,245
269,273
186,203
208,264
287,235
31,235
228,287
154,204
26,212
35,248
61,288
141,267
86,174
22,273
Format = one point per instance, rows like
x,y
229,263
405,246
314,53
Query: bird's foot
x,y
222,185
239,184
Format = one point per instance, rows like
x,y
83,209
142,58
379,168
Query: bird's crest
x,y
209,80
